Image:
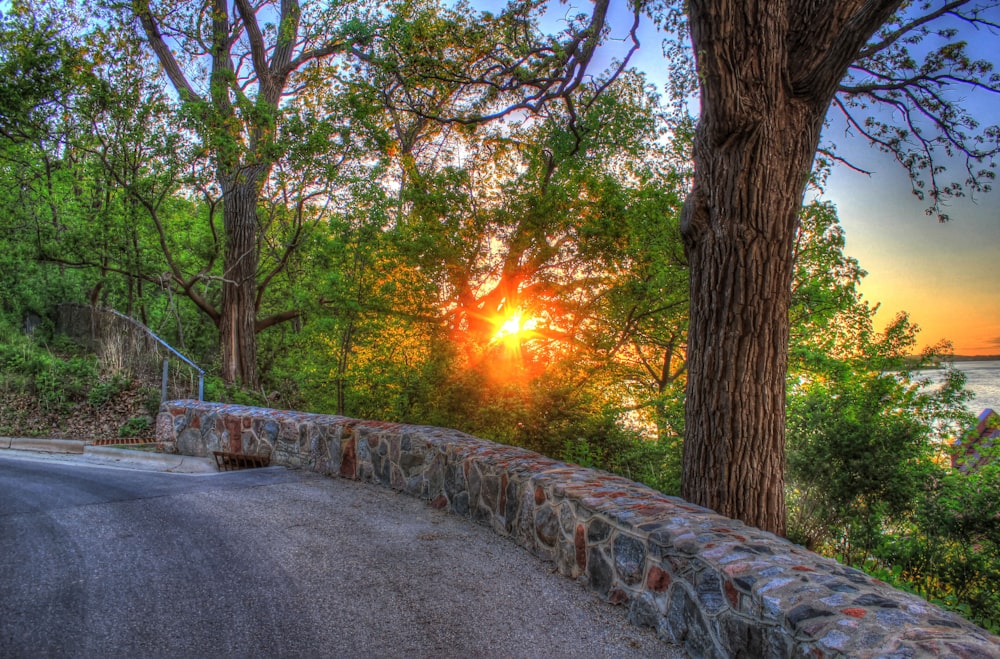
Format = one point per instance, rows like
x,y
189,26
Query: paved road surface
x,y
102,562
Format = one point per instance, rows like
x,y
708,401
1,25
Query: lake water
x,y
983,379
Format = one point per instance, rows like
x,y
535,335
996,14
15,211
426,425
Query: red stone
x,y
580,542
439,502
539,496
803,568
618,596
349,459
657,580
234,427
854,612
732,594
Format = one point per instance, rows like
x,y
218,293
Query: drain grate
x,y
122,441
232,461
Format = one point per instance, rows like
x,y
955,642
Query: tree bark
x,y
238,314
768,70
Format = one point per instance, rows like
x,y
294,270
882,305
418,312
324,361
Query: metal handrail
x,y
201,371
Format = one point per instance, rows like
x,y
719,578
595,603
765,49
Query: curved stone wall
x,y
715,585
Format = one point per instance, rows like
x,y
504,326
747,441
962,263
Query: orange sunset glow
x,y
513,328
508,356
943,274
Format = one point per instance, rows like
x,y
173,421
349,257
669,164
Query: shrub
x,y
135,427
105,391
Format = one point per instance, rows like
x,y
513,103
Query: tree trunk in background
x,y
238,314
768,70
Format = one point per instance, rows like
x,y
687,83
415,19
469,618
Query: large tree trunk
x,y
768,70
238,315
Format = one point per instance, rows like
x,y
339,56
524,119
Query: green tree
x,y
247,67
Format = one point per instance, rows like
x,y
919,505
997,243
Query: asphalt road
x,y
102,562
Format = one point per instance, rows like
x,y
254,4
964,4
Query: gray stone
x,y
410,463
547,525
709,590
474,483
871,599
805,612
630,559
434,475
364,453
454,480
523,529
686,625
598,530
490,492
190,442
512,510
600,572
460,503
643,611
567,518
742,639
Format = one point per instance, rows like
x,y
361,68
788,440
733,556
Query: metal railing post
x,y
166,372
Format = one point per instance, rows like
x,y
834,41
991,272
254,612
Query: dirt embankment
x,y
129,413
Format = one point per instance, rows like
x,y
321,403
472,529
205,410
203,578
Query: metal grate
x,y
226,461
122,441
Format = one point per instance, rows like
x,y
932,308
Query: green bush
x,y
105,391
135,427
217,391
151,400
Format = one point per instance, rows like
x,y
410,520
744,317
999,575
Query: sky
x,y
946,276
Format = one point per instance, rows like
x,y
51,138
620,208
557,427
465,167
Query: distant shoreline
x,y
976,358
914,360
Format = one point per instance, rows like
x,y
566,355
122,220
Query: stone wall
x,y
717,586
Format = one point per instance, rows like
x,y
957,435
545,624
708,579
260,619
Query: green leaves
x,y
38,67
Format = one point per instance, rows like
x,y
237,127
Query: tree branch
x,y
163,52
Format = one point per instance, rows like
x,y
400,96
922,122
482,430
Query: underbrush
x,y
54,388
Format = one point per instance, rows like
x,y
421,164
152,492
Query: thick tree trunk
x,y
238,315
768,70
753,151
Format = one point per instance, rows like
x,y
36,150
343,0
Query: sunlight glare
x,y
514,325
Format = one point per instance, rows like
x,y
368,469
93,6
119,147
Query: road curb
x,y
43,445
164,461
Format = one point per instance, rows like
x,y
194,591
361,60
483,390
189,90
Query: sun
x,y
510,354
509,327
513,328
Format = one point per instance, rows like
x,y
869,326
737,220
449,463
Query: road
x,y
102,562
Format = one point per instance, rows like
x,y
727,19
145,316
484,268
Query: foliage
x,y
135,427
950,553
869,480
396,234
57,381
104,391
